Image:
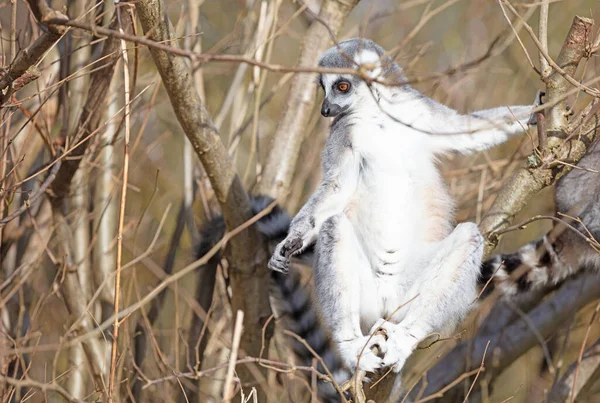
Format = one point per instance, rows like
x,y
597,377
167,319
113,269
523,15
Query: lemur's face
x,y
344,92
340,93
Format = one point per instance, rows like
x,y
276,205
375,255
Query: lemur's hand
x,y
281,257
538,101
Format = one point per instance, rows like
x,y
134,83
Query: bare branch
x,y
90,118
288,137
543,36
530,180
206,57
42,387
32,199
248,272
579,373
573,50
124,23
26,59
80,50
576,46
518,337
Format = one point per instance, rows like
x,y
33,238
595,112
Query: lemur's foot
x,y
359,354
399,344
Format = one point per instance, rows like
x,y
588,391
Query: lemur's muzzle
x,y
330,110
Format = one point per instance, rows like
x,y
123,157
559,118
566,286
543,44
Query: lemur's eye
x,y
343,86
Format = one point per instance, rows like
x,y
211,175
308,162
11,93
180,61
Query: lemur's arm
x,y
340,177
479,130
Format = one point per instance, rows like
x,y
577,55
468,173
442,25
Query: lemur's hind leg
x,y
443,295
342,277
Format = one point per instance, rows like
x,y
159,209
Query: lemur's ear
x,y
376,71
370,62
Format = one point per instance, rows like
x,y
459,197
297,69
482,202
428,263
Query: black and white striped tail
x,y
292,298
534,265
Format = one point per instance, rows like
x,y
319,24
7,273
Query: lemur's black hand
x,y
291,246
280,260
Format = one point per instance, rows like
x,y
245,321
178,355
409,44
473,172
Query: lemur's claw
x,y
278,264
280,261
291,246
538,101
538,98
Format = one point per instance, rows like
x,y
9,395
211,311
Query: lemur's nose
x,y
325,110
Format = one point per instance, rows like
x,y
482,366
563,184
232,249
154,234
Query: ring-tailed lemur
x,y
575,189
388,256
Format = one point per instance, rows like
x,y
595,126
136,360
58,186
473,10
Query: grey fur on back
x,y
578,192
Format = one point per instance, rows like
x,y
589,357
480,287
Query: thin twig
x,y
449,386
318,357
113,359
275,365
481,368
590,91
235,346
581,350
543,35
34,197
13,30
42,387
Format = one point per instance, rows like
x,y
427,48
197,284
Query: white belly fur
x,y
391,209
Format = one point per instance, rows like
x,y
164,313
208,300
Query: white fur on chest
x,y
388,209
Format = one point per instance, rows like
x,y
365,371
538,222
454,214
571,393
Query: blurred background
x,y
431,37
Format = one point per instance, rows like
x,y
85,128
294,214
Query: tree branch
x,y
91,115
32,199
34,52
517,338
74,296
543,35
589,369
544,172
248,272
42,387
288,137
573,50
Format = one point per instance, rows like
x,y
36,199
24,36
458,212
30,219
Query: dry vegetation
x,y
114,152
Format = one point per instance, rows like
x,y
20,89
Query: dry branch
x,y
219,57
288,137
544,172
517,338
26,59
45,388
105,201
588,371
73,293
33,198
573,50
80,49
248,273
75,298
91,116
